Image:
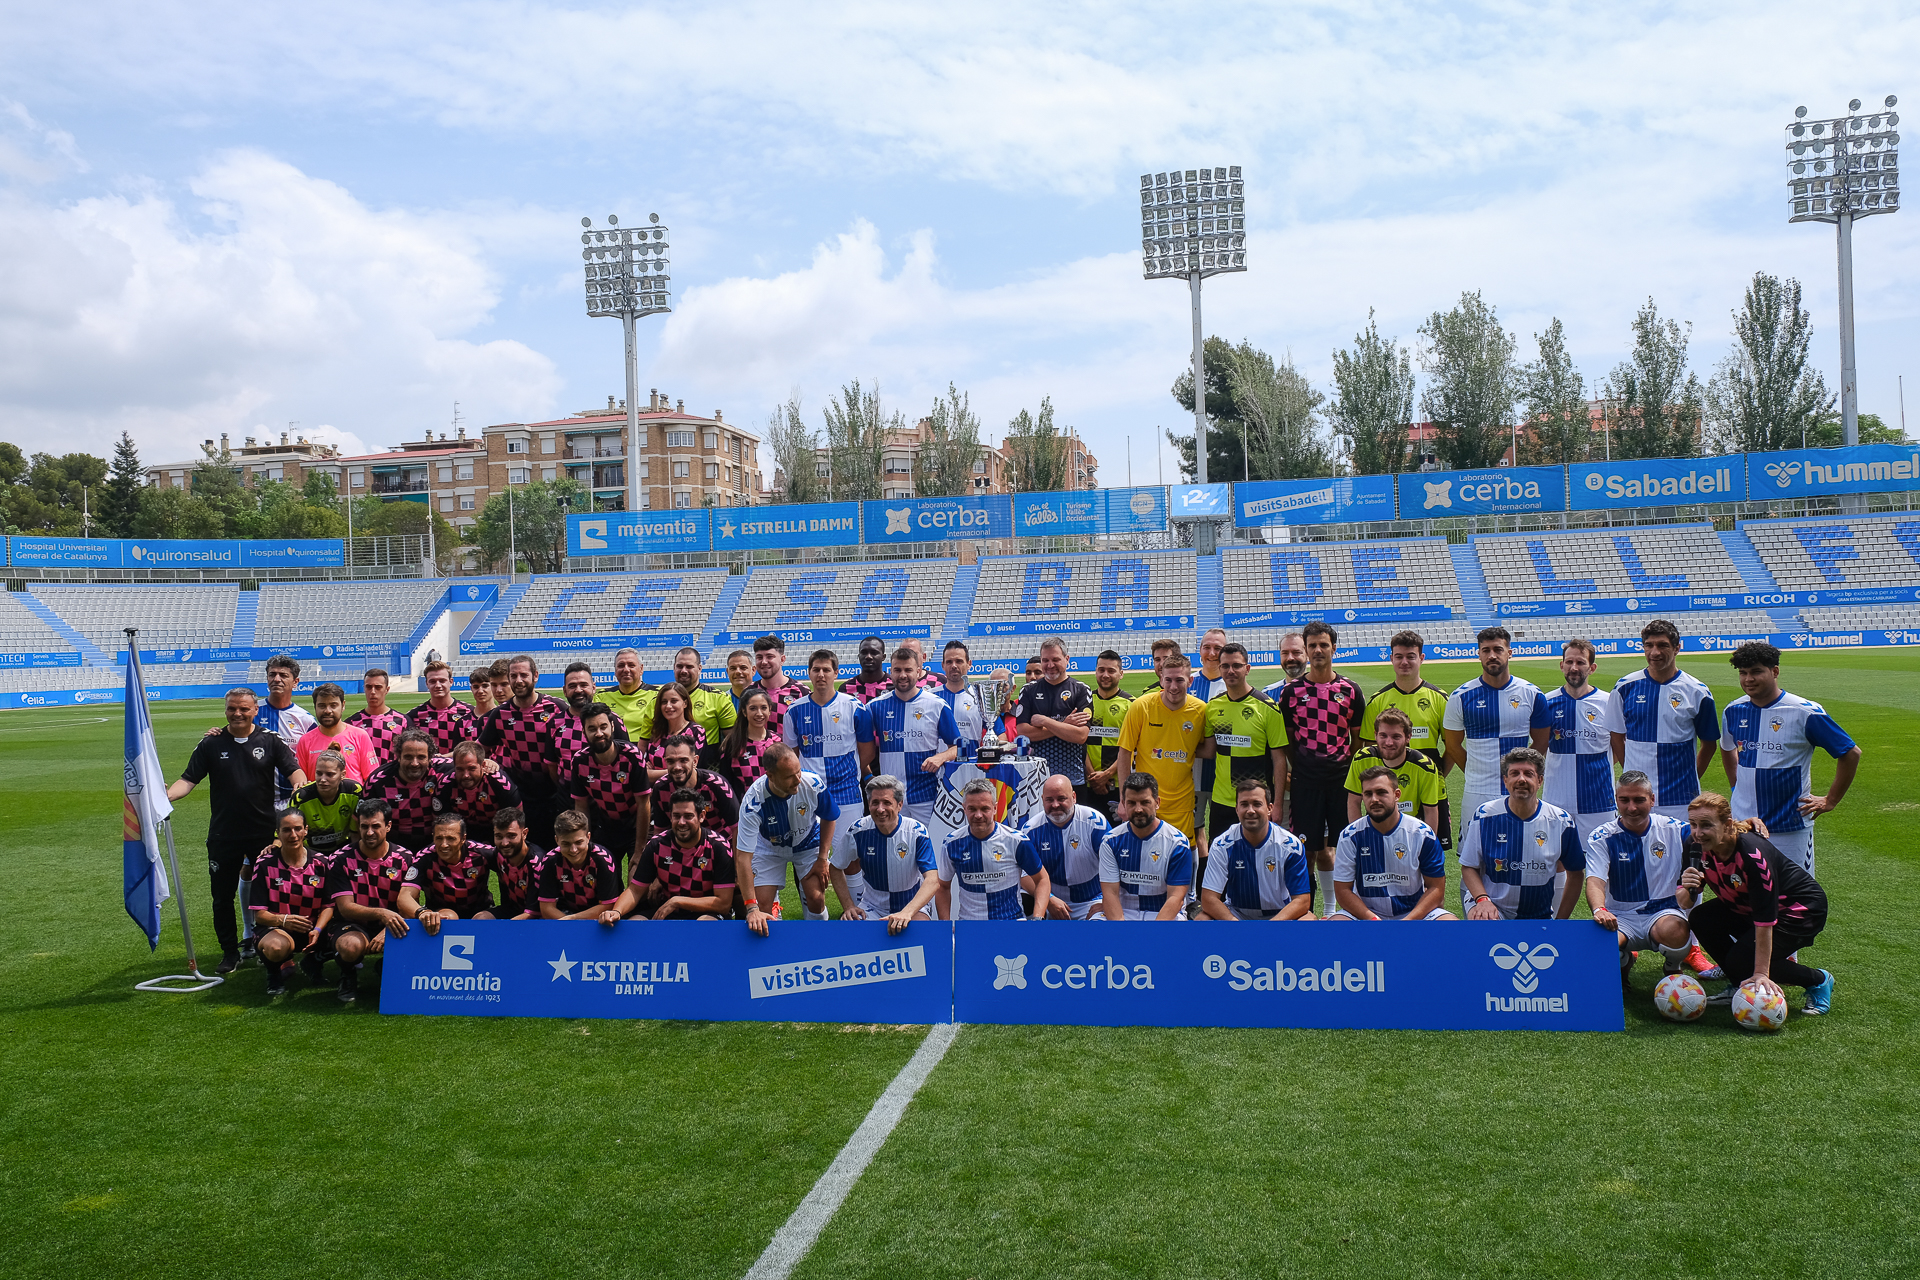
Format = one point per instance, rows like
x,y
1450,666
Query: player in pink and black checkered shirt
x,y
1323,711
528,736
444,719
383,725
691,872
607,781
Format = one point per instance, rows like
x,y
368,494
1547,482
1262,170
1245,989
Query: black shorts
x,y
1219,818
1319,809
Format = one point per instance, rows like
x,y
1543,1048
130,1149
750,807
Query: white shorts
x,y
1135,913
1678,812
1438,913
770,865
1585,824
1797,845
922,813
1637,929
1079,910
849,814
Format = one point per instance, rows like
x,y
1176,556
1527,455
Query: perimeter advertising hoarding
x,y
938,519
1656,482
1496,491
807,524
1342,501
1809,473
622,533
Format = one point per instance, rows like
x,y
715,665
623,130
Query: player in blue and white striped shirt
x,y
883,864
981,866
1513,851
1388,865
1257,869
1657,716
1146,867
833,733
1768,754
786,819
1487,717
1633,875
915,733
1579,749
1067,837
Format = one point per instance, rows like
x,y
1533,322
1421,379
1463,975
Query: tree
x,y
216,482
49,496
1278,411
857,426
176,513
13,463
1372,406
1656,403
794,447
1226,432
944,466
1036,452
1872,431
1559,428
538,526
1763,397
120,497
1473,383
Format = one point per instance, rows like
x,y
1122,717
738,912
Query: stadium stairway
x,y
1473,584
509,600
90,654
723,606
966,581
1758,578
246,620
1210,603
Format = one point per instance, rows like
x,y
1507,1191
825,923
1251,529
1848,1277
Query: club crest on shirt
x,y
1186,726
1540,839
1673,700
1272,864
1590,714
1659,851
1774,724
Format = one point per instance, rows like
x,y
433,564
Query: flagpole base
x,y
201,981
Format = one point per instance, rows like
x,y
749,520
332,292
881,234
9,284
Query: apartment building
x,y
992,471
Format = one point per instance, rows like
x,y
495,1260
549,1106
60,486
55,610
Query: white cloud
x,y
269,296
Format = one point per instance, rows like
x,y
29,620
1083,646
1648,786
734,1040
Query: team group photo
x,y
706,582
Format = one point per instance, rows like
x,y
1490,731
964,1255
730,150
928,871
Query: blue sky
x,y
232,217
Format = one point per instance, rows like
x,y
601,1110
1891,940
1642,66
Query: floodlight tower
x,y
627,277
1839,170
1193,225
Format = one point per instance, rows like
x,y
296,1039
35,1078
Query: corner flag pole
x,y
144,782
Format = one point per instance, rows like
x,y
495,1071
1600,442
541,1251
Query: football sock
x,y
276,973
1325,880
1676,955
811,914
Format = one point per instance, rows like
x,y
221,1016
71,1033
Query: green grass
x,y
216,1135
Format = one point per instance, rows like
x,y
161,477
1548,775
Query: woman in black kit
x,y
1763,904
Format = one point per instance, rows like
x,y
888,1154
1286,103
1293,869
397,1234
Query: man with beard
x,y
1067,837
448,881
411,789
687,872
1146,867
332,733
478,789
517,863
1257,870
1108,713
363,884
444,719
915,734
607,780
1389,865
769,660
1488,716
526,735
1293,662
1579,749
719,811
872,681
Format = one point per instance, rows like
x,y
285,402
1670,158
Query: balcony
x,y
588,453
610,477
398,484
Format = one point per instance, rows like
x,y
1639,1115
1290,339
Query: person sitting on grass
x,y
288,903
363,884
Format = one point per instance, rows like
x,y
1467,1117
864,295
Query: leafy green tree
x,y
1372,407
1655,403
1559,428
1763,396
1279,417
176,513
794,446
119,504
1472,383
1226,430
216,482
857,426
943,467
1037,452
538,531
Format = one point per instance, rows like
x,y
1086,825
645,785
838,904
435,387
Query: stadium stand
x,y
1606,563
1818,555
1154,588
669,609
1363,634
170,617
22,632
318,614
1626,626
889,597
1876,617
1411,572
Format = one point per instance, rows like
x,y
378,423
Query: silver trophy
x,y
991,694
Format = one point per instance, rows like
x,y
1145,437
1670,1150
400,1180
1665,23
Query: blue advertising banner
x,y
822,635
1359,498
938,519
1653,605
568,644
1199,502
806,524
1043,515
1497,491
632,533
299,553
124,553
162,657
10,661
1558,975
1292,617
843,972
1138,622
1142,510
1657,482
1808,473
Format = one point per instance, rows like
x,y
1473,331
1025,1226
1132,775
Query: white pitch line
x,y
792,1241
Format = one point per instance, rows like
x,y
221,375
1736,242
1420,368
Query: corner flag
x,y
147,807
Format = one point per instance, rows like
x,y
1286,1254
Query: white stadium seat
x,y
614,604
1607,563
882,596
188,617
1840,554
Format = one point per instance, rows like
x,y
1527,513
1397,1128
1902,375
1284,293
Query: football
x,y
1680,997
1758,1008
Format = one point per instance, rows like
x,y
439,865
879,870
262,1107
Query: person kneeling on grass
x,y
363,884
1763,903
516,860
787,819
449,881
1388,865
1634,864
1256,870
288,903
1146,867
883,864
686,873
577,881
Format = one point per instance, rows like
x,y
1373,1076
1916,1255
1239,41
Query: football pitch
x,y
217,1135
